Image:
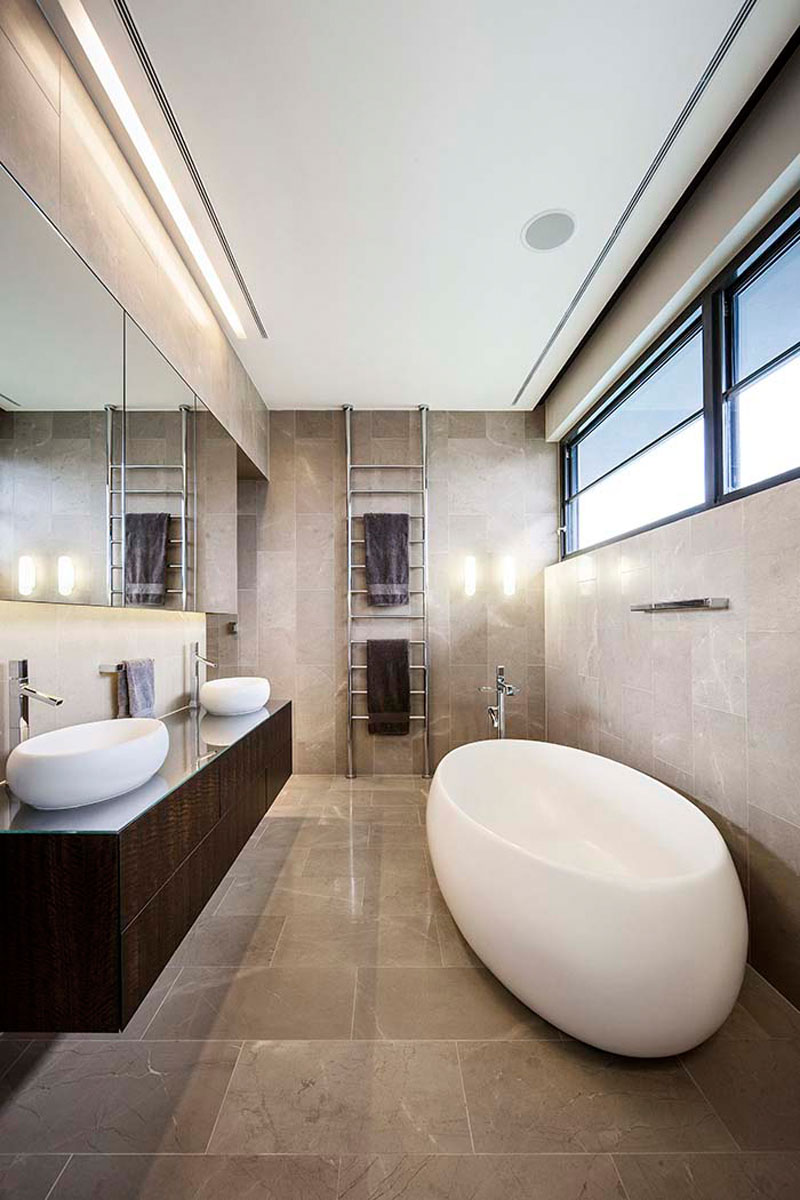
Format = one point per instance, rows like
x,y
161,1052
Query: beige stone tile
x,y
672,693
188,1177
775,901
718,663
229,941
256,1002
754,1086
456,951
325,940
344,1098
314,468
773,713
390,893
720,762
30,1176
767,1008
709,1176
560,1096
440,1003
257,895
115,1096
483,1177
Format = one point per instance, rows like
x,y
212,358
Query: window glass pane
x,y
672,393
763,426
767,314
662,481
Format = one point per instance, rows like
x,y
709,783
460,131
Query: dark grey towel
x,y
388,686
146,558
386,538
136,688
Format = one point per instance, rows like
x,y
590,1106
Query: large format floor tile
x,y
197,1177
344,1098
257,1003
358,941
253,895
229,941
114,1096
542,1096
487,1177
436,1003
710,1176
29,1176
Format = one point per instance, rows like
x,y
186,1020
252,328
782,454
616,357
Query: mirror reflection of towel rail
x,y
704,602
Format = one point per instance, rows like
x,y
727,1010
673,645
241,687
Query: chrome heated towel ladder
x,y
118,491
415,478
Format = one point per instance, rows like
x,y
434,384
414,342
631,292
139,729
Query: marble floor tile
x,y
392,894
324,940
344,1098
29,1176
375,859
527,1097
298,896
109,1097
486,1177
441,1003
257,1003
197,1177
229,941
456,951
710,1176
316,834
381,834
754,1086
769,1010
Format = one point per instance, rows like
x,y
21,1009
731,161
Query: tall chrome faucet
x,y
20,693
197,658
497,712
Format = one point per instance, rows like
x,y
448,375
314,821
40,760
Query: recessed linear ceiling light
x,y
548,230
96,53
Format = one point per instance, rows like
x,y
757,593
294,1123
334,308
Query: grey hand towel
x,y
146,537
388,686
386,545
136,688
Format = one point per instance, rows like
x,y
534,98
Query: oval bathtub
x,y
601,898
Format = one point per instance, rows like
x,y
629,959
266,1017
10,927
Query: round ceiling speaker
x,y
548,230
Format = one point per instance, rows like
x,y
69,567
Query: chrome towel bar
x,y
704,602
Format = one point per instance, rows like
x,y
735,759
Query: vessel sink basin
x,y
84,764
232,697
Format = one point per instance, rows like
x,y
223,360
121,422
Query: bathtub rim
x,y
660,883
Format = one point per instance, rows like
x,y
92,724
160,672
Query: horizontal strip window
x,y
711,410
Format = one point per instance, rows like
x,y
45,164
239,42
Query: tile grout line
x,y
164,999
464,1094
224,1098
355,999
277,941
51,1191
619,1177
719,1117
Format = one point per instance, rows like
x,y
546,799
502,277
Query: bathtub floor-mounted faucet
x,y
497,712
20,695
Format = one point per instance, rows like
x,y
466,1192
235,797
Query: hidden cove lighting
x,y
111,83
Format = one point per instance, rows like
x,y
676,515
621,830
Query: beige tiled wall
x,y
708,702
54,142
66,643
492,492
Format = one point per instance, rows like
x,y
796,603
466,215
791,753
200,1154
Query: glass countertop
x,y
196,738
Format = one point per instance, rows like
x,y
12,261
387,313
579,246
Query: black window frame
x,y
712,311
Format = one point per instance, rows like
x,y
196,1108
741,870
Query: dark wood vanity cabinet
x,y
91,919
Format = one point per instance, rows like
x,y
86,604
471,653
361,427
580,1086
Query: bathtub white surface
x,y
603,899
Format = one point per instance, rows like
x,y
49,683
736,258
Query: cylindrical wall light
x,y
470,575
509,576
66,575
26,575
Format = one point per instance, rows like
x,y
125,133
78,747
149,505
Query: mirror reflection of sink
x,y
232,697
105,815
224,731
84,764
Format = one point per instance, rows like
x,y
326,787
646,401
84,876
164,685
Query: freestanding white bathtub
x,y
604,900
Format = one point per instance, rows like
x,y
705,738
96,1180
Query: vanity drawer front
x,y
152,848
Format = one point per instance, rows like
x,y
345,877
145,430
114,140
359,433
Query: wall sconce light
x,y
66,575
26,575
470,575
509,576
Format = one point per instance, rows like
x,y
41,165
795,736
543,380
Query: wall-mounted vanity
x,y
104,894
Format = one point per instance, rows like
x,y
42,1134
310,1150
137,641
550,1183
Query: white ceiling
x,y
373,163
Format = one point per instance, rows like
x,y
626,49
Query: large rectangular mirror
x,y
117,486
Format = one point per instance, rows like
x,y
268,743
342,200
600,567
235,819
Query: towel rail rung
x,y
412,717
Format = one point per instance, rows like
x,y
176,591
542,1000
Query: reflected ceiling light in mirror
x,y
26,575
548,230
97,55
66,575
470,575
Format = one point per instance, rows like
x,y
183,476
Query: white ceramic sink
x,y
83,764
232,697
